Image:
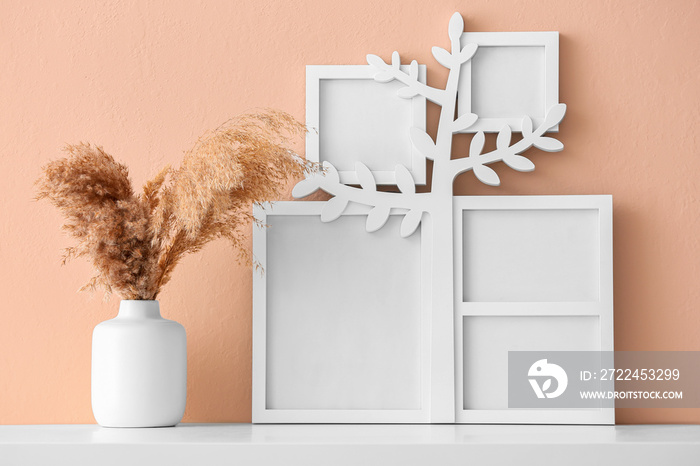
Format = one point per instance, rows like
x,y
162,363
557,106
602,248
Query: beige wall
x,y
144,79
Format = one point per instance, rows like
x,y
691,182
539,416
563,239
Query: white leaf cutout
x,y
477,144
443,57
549,144
384,77
546,385
486,175
555,115
467,52
407,93
456,27
304,188
395,60
365,177
464,122
376,218
333,209
503,139
375,61
330,172
423,142
519,163
527,126
410,222
413,69
404,180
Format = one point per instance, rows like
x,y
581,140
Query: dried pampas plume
x,y
136,240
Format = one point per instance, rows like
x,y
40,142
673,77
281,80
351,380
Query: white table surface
x,y
241,444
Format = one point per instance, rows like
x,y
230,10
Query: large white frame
x,y
548,40
602,308
317,73
261,412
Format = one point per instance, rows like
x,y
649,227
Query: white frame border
x,y
603,308
548,39
260,412
315,73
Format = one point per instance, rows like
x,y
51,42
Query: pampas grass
x,y
135,240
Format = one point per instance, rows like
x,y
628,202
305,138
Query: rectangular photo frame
x,y
544,283
353,118
512,74
340,333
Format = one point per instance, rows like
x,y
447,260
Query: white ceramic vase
x,y
139,368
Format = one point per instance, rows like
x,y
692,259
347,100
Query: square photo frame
x,y
340,333
351,117
512,74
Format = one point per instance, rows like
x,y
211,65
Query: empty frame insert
x,y
512,74
532,273
352,118
339,319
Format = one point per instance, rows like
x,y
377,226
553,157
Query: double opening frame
x,y
341,317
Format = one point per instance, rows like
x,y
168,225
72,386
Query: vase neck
x,y
139,309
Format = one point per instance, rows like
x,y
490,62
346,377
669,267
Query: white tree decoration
x,y
438,202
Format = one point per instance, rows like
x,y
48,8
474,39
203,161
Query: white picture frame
x,y
512,74
576,315
301,320
519,229
351,117
582,308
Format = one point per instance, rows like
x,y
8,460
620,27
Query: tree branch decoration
x,y
445,170
135,240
